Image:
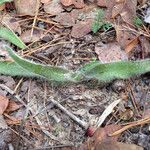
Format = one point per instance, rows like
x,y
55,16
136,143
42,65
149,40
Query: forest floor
x,y
68,33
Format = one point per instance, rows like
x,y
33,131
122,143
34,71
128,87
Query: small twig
x,y
72,116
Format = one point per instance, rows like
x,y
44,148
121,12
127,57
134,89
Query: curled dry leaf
x,y
81,28
26,7
76,3
3,104
53,7
110,52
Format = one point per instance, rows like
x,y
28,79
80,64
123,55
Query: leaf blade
x,y
11,37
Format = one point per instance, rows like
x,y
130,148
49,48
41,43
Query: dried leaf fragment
x,y
81,28
76,3
110,52
3,104
26,7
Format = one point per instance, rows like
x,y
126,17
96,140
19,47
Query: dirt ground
x,y
39,124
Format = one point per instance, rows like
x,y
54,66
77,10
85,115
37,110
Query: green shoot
x,y
137,22
99,22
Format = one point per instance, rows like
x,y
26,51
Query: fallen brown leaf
x,y
145,43
67,19
101,134
123,36
11,22
76,3
81,28
26,36
110,52
26,7
3,104
132,43
53,7
12,106
110,145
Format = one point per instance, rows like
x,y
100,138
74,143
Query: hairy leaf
x,y
116,70
13,69
51,73
11,37
93,70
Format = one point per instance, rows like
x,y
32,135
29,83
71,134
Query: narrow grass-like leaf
x,y
116,70
11,37
51,73
4,1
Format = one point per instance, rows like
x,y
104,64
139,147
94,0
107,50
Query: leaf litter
x,y
72,22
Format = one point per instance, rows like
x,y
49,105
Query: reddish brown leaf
x,y
81,28
145,43
100,135
3,104
26,7
110,145
53,7
76,3
66,2
123,37
12,106
67,19
26,36
129,11
132,43
110,52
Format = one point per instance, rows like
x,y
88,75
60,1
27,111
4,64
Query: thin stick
x,y
35,18
72,116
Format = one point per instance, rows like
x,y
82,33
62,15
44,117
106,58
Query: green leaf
x,y
4,1
93,70
51,73
116,70
11,37
13,69
137,22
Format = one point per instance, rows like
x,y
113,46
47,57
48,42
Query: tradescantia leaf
x,y
11,37
51,73
4,1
